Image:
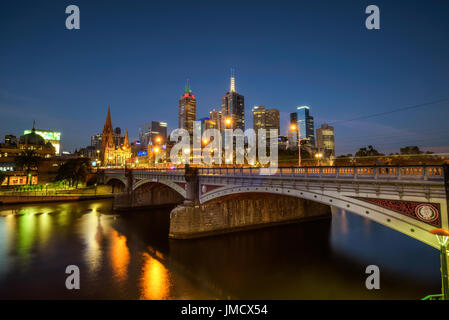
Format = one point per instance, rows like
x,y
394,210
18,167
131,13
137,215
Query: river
x,y
128,256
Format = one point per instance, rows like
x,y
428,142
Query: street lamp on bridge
x,y
295,129
443,239
319,156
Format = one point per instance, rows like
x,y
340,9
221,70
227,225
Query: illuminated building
x,y
95,141
305,123
326,140
19,180
34,141
54,137
233,108
30,143
187,110
10,140
152,133
206,124
216,116
111,153
266,119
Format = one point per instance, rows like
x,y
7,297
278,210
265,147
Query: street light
x,y
228,121
319,156
295,128
443,239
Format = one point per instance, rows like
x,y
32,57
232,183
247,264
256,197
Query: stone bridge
x,y
409,199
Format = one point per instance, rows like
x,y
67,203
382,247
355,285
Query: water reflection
x,y
154,281
93,237
129,256
119,254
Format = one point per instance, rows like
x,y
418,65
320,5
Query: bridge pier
x,y
241,212
236,212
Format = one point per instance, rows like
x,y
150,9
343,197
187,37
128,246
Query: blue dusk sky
x,y
137,55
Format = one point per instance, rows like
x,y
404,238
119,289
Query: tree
x,y
367,152
74,171
2,177
411,150
27,161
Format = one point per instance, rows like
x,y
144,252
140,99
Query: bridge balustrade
x,y
433,172
373,172
346,172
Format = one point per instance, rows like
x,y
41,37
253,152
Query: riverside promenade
x,y
55,195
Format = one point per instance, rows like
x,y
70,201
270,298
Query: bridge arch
x,y
172,185
389,218
117,184
118,179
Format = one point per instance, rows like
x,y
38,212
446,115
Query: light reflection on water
x,y
129,256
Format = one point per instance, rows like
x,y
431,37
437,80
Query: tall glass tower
x,y
233,108
305,123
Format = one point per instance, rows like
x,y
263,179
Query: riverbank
x,y
14,199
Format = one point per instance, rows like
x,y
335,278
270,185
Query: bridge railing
x,y
432,173
371,172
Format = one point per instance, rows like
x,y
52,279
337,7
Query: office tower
x,y
304,121
292,135
207,123
266,119
326,140
152,133
95,141
258,118
233,108
10,140
216,116
187,110
272,120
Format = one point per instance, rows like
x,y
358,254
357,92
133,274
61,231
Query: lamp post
x,y
443,239
319,156
294,128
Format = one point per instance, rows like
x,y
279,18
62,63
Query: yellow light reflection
x,y
154,282
26,233
94,236
119,254
44,228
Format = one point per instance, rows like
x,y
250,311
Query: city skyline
x,y
341,74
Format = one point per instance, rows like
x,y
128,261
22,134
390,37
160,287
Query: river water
x,y
129,256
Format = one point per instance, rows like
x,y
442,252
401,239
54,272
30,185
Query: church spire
x,y
126,142
232,88
108,118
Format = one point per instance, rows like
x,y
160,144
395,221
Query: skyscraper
x,y
187,110
233,108
265,119
326,140
304,121
154,132
272,120
258,118
216,116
